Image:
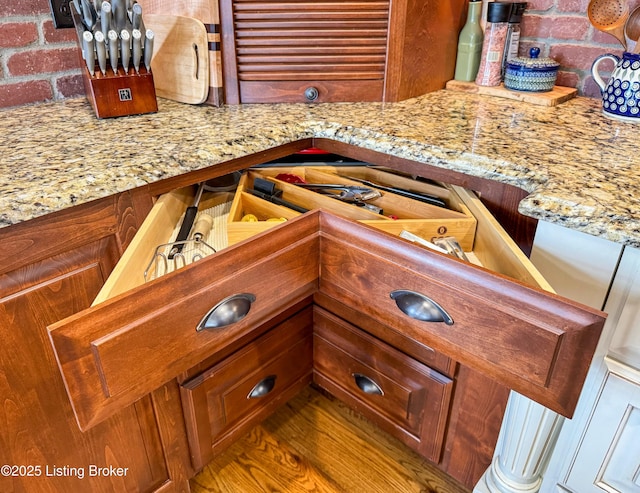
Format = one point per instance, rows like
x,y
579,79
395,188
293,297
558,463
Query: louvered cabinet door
x,y
304,51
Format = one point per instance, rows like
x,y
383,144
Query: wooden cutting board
x,y
558,95
180,63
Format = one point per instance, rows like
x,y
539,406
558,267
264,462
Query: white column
x,y
528,435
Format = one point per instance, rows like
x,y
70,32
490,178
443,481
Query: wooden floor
x,y
316,444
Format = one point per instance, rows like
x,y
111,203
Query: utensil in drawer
x,y
451,245
161,263
187,223
346,193
419,196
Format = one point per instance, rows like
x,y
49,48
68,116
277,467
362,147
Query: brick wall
x,y
40,63
563,32
37,61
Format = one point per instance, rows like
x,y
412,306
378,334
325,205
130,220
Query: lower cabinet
x,y
403,396
423,343
226,400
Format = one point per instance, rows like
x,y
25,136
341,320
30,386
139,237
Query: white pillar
x,y
528,435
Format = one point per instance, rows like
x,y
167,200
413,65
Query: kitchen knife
x,y
89,51
136,49
148,49
125,49
89,15
136,16
101,51
113,50
105,18
76,14
119,14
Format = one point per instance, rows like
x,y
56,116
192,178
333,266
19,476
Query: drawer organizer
x,y
398,212
150,258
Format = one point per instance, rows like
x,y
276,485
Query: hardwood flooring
x,y
317,444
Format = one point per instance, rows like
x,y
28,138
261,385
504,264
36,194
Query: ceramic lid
x,y
533,61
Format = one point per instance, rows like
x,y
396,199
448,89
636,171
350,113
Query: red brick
x,y
591,89
576,56
606,38
25,92
53,35
23,7
540,4
70,86
567,79
536,26
43,61
16,34
577,6
570,27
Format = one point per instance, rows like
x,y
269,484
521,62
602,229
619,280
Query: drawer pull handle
x,y
263,387
367,385
420,307
311,93
227,312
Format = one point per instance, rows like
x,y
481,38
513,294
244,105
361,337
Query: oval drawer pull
x,y
367,385
227,312
420,307
263,387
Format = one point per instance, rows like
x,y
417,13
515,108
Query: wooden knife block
x,y
120,94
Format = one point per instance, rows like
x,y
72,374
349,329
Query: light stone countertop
x,y
581,169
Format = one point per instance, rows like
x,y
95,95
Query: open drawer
x,y
506,323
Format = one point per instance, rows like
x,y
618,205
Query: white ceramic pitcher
x,y
621,93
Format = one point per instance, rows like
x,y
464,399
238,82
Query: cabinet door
x,y
226,400
609,455
405,397
50,269
303,51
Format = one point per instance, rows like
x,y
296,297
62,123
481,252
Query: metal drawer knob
x,y
311,93
227,312
263,387
367,385
420,307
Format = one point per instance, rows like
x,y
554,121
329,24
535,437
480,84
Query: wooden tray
x,y
558,95
424,220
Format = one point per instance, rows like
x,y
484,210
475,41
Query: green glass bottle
x,y
470,44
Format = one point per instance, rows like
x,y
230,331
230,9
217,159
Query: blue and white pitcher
x,y
621,93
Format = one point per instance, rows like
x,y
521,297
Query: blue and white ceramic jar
x,y
531,74
621,93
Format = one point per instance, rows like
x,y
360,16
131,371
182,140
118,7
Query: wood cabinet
x,y
51,268
371,50
404,396
227,399
136,365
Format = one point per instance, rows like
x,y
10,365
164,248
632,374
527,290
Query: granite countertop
x,y
580,168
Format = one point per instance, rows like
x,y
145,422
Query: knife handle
x,y
101,50
136,16
113,50
185,228
90,54
105,18
148,48
125,49
136,49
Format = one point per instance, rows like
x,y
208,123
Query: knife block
x,y
120,94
